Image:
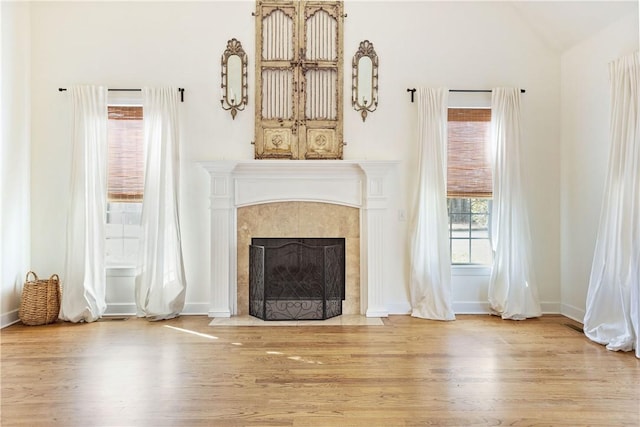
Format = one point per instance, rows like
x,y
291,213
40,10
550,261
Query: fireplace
x,y
296,279
365,185
293,219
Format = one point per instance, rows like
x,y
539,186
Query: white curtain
x,y
84,279
512,289
160,284
612,316
430,281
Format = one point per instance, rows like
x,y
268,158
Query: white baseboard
x,y
195,309
377,313
572,312
129,309
399,308
459,307
8,319
120,309
402,308
472,307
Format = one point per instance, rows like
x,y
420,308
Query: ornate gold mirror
x,y
234,78
364,87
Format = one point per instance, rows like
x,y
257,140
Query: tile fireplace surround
x,y
363,184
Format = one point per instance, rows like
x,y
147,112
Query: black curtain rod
x,y
180,89
460,90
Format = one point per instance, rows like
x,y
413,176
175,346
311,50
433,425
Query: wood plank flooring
x,y
476,371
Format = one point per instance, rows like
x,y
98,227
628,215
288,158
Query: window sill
x,y
471,270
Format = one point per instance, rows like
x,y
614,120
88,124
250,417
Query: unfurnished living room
x,y
320,213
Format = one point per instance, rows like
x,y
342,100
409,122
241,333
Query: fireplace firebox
x,y
296,278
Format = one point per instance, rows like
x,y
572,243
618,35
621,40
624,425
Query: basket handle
x,y
56,279
35,276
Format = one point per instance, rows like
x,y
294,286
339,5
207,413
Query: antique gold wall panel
x,y
322,93
300,77
321,144
278,33
321,35
278,94
277,144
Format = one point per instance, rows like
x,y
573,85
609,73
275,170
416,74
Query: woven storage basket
x,y
40,302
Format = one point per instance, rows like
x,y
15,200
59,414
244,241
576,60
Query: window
x,y
299,84
469,231
125,184
469,186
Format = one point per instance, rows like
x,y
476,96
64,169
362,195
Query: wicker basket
x,y
40,302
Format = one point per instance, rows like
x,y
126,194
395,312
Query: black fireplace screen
x,y
296,279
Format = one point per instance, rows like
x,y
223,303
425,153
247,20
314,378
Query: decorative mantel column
x,y
362,184
223,238
374,211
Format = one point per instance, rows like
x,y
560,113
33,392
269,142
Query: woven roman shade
x,y
125,181
468,153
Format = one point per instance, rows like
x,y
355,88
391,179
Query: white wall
x,y
453,44
585,151
14,157
465,46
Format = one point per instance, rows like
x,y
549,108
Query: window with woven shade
x,y
469,153
125,184
469,185
126,154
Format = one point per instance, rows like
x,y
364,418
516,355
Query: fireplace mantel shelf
x,y
364,184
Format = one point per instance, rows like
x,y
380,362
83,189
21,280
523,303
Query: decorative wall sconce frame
x,y
234,78
364,88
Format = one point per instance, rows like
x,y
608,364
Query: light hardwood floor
x,y
478,370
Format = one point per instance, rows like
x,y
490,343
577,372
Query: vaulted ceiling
x,y
562,24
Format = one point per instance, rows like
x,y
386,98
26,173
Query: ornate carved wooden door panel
x,y
299,88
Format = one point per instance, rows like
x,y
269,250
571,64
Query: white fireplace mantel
x,y
364,184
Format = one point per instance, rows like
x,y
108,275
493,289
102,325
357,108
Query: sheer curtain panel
x,y
512,289
84,280
430,284
160,284
612,316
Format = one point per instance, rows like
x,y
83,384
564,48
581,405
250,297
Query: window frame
x,y
476,114
470,238
123,232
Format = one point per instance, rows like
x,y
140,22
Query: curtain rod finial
x,y
412,92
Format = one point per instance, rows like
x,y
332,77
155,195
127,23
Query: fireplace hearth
x,y
296,278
